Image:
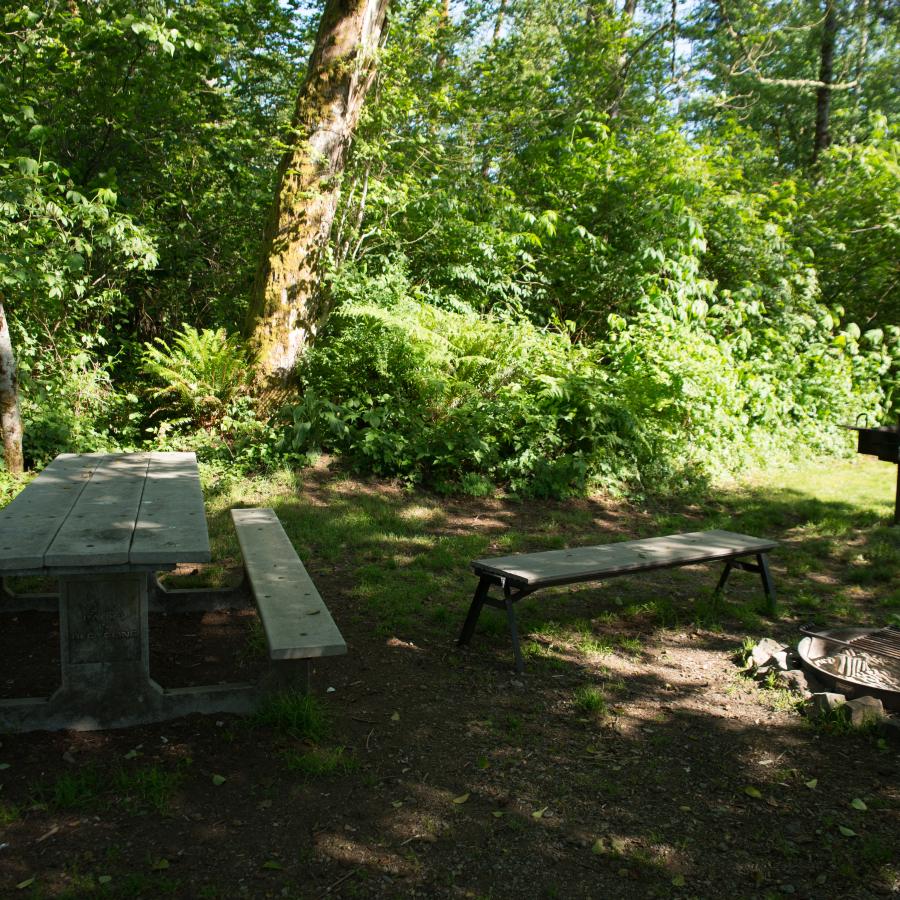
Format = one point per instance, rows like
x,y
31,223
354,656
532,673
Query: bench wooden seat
x,y
524,573
296,621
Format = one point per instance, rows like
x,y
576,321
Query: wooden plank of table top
x,y
171,523
100,526
30,522
609,560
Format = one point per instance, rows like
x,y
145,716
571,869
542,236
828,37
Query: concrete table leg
x,y
105,660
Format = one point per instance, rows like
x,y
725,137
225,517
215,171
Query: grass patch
x,y
148,789
80,790
590,700
8,814
293,714
256,646
320,762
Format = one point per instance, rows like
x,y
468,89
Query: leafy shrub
x,y
70,405
458,399
200,374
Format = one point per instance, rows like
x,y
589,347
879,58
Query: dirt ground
x,y
458,777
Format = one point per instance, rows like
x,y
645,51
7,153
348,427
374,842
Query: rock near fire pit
x,y
770,656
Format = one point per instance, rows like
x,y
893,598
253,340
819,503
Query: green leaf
x,y
857,803
678,881
272,864
28,882
846,832
160,865
461,798
27,166
218,780
753,792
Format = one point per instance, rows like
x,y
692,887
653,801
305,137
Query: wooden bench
x,y
296,621
523,574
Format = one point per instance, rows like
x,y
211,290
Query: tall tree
x,y
10,420
826,78
284,313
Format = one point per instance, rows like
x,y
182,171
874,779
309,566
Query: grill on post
x,y
883,442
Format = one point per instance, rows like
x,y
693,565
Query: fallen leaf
x,y
24,884
599,847
497,814
218,780
753,792
811,784
461,798
104,879
397,804
132,754
846,832
395,717
272,864
4,766
539,813
483,762
160,865
857,803
678,881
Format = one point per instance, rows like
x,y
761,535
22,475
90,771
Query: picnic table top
x,y
120,511
607,560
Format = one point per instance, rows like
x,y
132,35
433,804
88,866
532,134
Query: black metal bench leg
x,y
514,634
768,584
468,629
720,587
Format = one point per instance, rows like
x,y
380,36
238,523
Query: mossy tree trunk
x,y
10,420
284,313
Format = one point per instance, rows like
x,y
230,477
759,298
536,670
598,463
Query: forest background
x,y
577,244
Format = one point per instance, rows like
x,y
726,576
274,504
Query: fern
x,y
200,374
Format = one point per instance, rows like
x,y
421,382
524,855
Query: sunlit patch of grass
x,y
632,645
777,697
590,700
590,645
420,514
543,653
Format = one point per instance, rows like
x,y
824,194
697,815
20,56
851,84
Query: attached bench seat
x,y
524,573
296,621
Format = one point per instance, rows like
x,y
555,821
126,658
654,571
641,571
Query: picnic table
x,y
102,525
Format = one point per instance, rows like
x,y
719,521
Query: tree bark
x,y
10,420
826,77
283,315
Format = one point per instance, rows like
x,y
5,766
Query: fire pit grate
x,y
868,661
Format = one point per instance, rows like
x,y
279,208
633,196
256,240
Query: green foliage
x,y
293,714
320,762
589,699
567,254
458,399
201,374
